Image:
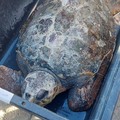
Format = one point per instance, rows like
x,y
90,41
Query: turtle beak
x,y
32,99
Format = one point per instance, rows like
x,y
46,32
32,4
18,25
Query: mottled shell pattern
x,y
67,37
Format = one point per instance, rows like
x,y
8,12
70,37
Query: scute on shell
x,y
68,37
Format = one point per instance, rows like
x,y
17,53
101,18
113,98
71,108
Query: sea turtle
x,y
66,44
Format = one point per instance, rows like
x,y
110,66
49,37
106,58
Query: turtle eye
x,y
41,94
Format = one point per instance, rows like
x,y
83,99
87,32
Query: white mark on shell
x,y
101,43
110,33
33,75
64,2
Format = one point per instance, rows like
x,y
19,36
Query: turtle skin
x,y
74,40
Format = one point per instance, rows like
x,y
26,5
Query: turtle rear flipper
x,y
81,98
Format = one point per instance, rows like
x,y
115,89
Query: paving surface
x,y
9,112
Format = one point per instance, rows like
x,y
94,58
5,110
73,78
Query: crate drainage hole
x,y
23,103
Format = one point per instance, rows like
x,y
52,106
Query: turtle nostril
x,y
27,95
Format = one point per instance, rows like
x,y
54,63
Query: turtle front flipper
x,y
81,98
11,80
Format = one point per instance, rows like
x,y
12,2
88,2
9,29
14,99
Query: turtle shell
x,y
69,38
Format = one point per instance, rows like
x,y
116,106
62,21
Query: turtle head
x,y
40,87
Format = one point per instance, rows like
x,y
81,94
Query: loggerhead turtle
x,y
67,44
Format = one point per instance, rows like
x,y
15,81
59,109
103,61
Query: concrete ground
x,y
9,112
